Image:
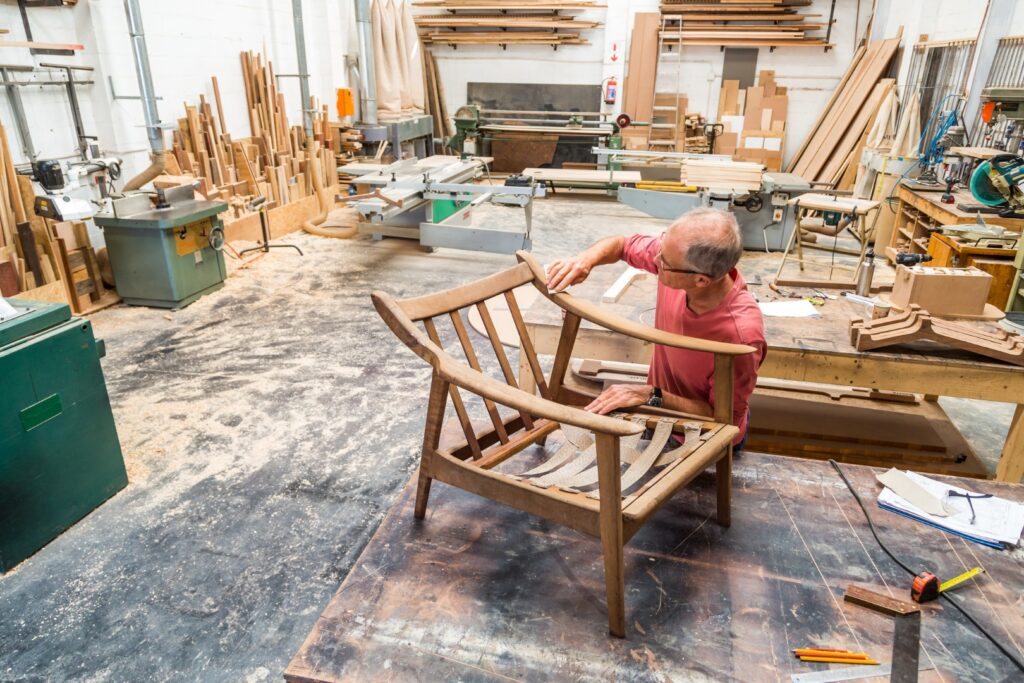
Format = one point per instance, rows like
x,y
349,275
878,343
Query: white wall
x,y
188,41
810,74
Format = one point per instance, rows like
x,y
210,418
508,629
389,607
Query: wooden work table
x,y
805,349
481,592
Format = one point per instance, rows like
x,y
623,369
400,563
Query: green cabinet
x,y
59,453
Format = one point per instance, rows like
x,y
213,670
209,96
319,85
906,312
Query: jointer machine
x,y
434,200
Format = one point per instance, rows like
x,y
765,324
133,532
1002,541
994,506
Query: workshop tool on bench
x,y
926,586
260,204
905,258
969,496
906,641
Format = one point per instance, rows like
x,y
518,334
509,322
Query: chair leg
x,y
615,583
422,494
610,485
723,481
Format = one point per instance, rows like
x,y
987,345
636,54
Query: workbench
x,y
803,349
920,213
481,592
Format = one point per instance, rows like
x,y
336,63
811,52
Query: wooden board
x,y
562,175
638,91
843,109
283,219
478,591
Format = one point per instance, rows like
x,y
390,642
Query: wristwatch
x,y
656,400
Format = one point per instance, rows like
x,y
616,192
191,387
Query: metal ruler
x,y
852,673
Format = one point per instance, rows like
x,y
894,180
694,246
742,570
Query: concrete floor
x,y
267,429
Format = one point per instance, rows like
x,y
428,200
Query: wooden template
x,y
608,490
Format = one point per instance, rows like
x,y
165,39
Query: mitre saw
x,y
1000,182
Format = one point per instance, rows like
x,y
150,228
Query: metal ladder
x,y
673,109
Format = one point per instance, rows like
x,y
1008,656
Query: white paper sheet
x,y
996,519
796,308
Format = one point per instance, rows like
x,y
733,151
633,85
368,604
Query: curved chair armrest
x,y
617,323
511,397
488,387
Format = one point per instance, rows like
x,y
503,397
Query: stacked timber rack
x,y
839,133
40,259
521,22
747,23
272,162
715,174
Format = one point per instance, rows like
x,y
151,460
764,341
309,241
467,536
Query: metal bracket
x,y
906,642
115,96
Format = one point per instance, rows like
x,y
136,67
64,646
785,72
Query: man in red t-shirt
x,y
700,294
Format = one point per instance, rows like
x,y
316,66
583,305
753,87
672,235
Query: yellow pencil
x,y
813,652
838,660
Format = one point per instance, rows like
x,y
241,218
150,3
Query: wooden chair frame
x,y
468,465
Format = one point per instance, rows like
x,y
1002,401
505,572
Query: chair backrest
x,y
444,315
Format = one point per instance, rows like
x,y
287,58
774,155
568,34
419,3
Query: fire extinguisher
x,y
611,90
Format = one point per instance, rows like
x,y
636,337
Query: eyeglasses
x,y
662,266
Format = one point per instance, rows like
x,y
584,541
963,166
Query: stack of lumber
x,y
42,260
434,98
764,123
772,23
721,175
272,162
849,114
497,22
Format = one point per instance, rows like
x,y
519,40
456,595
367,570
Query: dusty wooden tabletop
x,y
481,592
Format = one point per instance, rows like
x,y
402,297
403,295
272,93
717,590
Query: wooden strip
x,y
467,347
526,345
499,352
453,392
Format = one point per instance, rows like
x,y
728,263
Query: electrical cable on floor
x,y
1017,662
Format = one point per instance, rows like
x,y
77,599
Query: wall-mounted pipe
x,y
368,81
148,97
300,51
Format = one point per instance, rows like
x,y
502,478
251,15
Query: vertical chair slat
x,y
566,342
453,391
467,346
499,352
526,346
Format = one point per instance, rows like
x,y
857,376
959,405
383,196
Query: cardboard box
x,y
947,292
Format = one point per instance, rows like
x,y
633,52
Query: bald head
x,y
705,240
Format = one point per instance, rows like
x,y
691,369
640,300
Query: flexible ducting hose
x,y
156,168
324,201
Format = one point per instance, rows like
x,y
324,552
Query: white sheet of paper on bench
x,y
997,520
796,308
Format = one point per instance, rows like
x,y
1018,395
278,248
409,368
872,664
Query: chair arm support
x,y
501,393
617,323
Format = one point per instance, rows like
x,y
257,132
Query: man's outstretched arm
x,y
575,269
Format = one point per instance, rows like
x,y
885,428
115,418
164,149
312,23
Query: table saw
x,y
433,200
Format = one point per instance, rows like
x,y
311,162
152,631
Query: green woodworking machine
x,y
165,250
59,453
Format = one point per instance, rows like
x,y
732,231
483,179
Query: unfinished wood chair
x,y
583,485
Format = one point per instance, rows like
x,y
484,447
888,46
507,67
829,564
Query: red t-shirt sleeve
x,y
640,250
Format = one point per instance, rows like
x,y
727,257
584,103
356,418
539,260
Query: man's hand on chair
x,y
620,396
566,272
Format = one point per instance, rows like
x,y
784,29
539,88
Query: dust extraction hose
x,y
323,198
157,167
